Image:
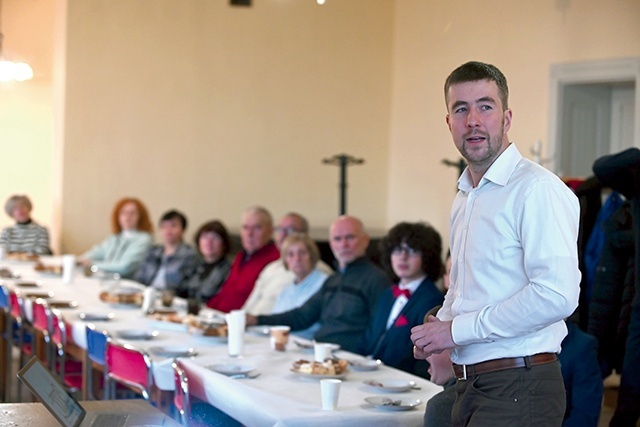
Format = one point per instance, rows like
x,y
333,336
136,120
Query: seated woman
x,y
212,267
300,256
25,237
123,251
167,265
412,253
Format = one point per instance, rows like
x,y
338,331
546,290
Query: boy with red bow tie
x,y
411,252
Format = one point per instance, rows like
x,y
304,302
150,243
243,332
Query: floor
x,y
608,405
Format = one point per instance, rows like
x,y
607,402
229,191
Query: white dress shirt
x,y
514,276
402,300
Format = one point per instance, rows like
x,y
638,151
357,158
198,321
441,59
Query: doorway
x,y
595,111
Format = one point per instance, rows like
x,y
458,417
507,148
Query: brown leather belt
x,y
463,372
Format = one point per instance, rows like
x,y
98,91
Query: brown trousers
x,y
522,397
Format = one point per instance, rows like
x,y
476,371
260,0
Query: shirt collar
x,y
498,173
413,285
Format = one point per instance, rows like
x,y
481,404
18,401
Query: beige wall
x,y
210,108
26,123
523,39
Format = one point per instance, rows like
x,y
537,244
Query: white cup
x,y
322,351
279,336
68,268
330,390
148,299
235,325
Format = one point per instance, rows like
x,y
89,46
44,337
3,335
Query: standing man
x,y
514,275
258,250
275,276
345,303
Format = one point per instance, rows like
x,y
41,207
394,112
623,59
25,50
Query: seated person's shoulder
x,y
188,250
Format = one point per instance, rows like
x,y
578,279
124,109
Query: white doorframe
x,y
601,71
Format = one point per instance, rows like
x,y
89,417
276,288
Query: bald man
x,y
345,303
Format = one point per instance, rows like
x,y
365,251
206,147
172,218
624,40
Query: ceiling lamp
x,y
18,71
12,70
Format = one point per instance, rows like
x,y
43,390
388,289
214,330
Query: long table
x,y
278,397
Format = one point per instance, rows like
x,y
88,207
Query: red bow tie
x,y
397,292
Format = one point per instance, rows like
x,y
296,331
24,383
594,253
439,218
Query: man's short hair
x,y
174,214
259,210
474,71
303,221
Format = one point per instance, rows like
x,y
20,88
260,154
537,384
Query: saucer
x,y
389,404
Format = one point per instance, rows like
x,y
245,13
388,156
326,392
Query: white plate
x,y
389,404
318,376
211,318
124,305
199,334
308,345
137,334
231,369
62,304
172,351
262,331
96,317
126,290
395,386
29,284
38,294
365,364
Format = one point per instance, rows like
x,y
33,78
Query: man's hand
x,y
431,337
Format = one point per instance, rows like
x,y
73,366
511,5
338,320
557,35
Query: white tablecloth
x,y
277,397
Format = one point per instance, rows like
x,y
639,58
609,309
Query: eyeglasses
x,y
287,230
399,250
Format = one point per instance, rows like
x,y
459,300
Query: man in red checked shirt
x,y
411,252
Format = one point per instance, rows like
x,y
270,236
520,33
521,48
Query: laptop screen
x,y
52,395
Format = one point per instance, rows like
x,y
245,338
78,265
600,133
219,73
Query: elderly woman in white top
x,y
123,251
25,237
300,256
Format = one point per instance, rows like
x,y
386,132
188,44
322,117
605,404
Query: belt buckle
x,y
464,373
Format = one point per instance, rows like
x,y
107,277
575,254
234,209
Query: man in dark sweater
x,y
345,303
